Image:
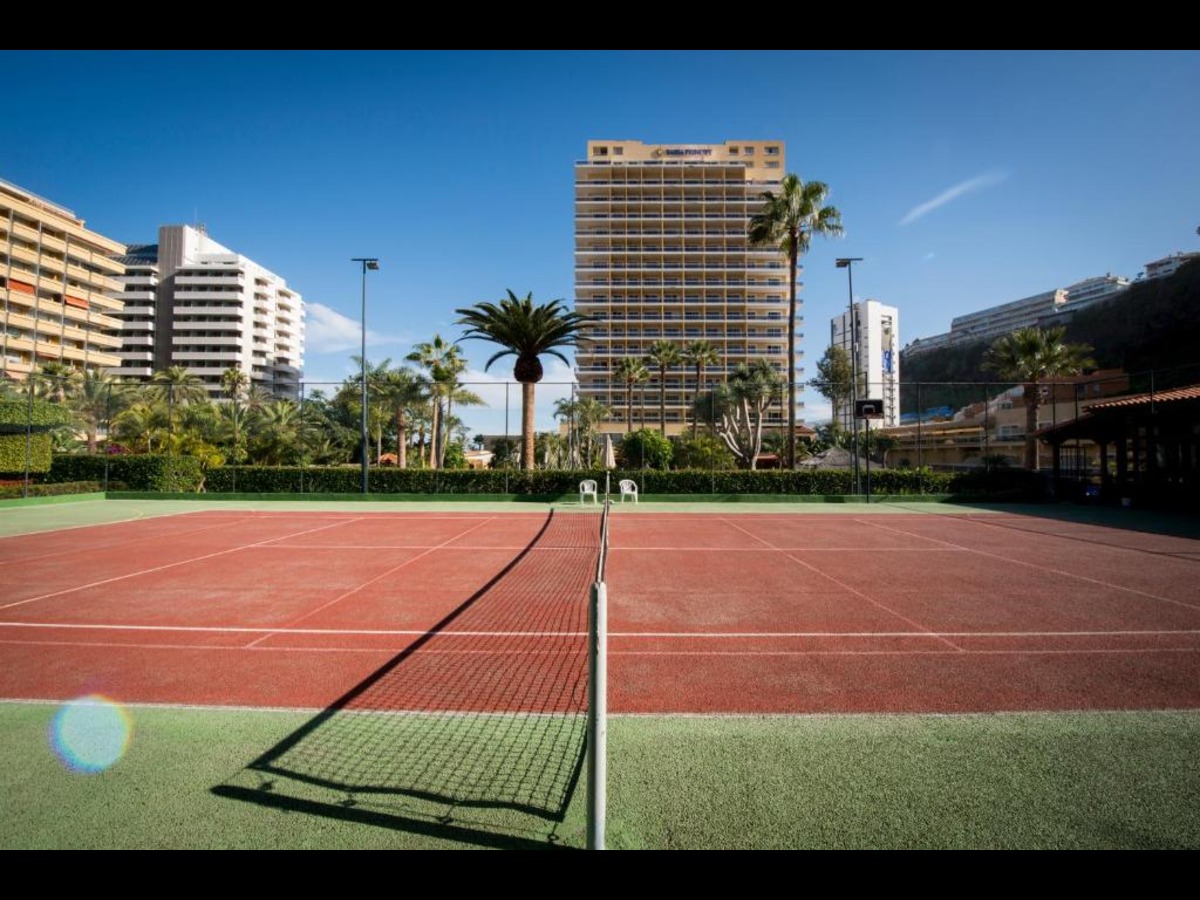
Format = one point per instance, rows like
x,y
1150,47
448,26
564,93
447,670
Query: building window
x,y
772,164
618,151
733,151
771,151
601,151
749,151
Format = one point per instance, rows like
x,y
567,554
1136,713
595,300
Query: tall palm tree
x,y
582,415
1030,356
234,383
630,371
525,331
787,222
700,354
663,355
55,381
95,399
403,391
444,363
177,386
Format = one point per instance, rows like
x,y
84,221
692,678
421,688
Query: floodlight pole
x,y
847,263
372,264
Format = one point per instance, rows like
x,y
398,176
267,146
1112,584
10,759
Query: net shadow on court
x,y
476,731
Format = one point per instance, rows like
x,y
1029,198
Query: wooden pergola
x,y
1153,440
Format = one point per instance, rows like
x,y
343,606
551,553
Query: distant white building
x,y
1028,312
1168,265
876,335
192,302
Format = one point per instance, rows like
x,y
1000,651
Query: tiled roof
x,y
1192,392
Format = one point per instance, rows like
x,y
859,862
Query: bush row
x,y
346,480
9,491
16,414
12,453
168,474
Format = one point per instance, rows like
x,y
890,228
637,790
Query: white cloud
x,y
817,413
970,186
328,331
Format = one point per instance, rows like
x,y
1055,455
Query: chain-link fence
x,y
84,428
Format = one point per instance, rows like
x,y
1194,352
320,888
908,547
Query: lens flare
x,y
90,734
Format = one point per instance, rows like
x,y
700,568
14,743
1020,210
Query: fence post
x,y
507,442
303,440
107,432
920,445
28,437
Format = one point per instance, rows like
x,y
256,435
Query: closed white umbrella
x,y
610,455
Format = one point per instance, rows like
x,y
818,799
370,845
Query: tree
x,y
702,452
403,392
55,381
787,222
646,450
1030,356
835,374
95,398
630,371
582,417
527,332
444,363
663,355
177,386
699,354
738,407
234,383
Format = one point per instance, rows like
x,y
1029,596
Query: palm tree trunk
x,y
434,432
791,371
527,435
696,403
629,408
662,400
1031,411
401,440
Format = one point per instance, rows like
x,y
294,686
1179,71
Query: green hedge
x,y
12,453
51,490
346,480
171,474
16,414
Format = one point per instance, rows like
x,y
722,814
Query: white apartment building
x,y
193,302
1168,265
661,253
876,338
1039,310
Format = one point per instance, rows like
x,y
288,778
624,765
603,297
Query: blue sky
x,y
964,179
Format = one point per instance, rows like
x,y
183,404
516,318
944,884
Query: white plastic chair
x,y
628,488
587,488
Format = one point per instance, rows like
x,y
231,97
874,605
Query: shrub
x,y
167,474
702,452
12,452
9,491
645,449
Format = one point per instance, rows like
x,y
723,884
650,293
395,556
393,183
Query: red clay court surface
x,y
487,612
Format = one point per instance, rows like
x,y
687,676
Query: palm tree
x,y
234,382
700,354
1030,356
277,432
525,331
94,400
787,222
663,355
630,371
56,381
443,361
582,415
402,391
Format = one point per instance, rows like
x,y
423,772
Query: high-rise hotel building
x,y
661,253
192,302
58,287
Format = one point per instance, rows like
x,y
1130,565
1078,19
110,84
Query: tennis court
x,y
472,626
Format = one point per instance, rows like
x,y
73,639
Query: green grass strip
x,y
1033,780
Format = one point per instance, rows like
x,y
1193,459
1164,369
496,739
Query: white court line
x,y
161,568
351,593
685,635
1030,565
845,586
110,546
417,547
426,651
